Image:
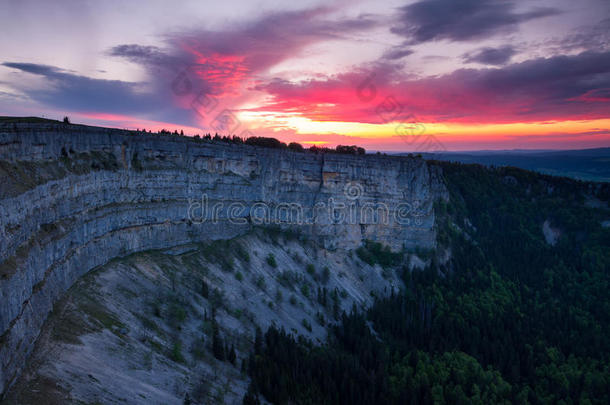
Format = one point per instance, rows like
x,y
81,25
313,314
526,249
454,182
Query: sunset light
x,y
529,77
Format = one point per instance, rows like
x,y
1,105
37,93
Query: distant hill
x,y
585,164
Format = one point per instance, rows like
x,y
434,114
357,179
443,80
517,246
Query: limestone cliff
x,y
74,197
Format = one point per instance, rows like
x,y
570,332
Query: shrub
x,y
239,276
266,142
198,349
374,252
287,279
297,147
216,299
305,290
325,274
271,260
260,282
306,324
176,354
350,150
276,232
220,251
311,269
320,318
177,315
242,253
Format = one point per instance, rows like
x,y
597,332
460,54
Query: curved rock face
x,y
74,197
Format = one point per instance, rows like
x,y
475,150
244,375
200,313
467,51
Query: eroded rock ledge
x,y
74,197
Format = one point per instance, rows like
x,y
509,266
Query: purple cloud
x,y
491,56
557,88
463,20
72,91
195,63
396,53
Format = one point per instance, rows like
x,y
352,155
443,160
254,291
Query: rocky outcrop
x,y
551,234
74,197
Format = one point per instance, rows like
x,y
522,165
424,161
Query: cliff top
x,y
37,125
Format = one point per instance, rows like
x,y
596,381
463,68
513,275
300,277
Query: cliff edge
x,y
74,197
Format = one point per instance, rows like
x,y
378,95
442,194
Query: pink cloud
x,y
558,88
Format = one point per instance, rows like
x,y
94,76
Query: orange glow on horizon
x,y
314,143
453,135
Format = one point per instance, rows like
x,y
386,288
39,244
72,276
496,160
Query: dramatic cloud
x,y
67,91
222,63
310,74
224,60
345,97
71,91
562,87
462,20
491,56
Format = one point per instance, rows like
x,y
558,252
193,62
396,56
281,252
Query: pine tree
x,y
258,341
251,397
231,355
217,344
205,291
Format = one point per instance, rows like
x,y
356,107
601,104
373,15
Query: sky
x,y
419,75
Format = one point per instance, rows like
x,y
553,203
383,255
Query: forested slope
x,y
513,316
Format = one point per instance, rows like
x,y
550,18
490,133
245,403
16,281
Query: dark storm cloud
x,y
491,56
462,20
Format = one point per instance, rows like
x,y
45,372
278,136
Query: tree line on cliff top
x,y
268,142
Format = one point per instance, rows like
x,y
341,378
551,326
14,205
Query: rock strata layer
x,y
74,197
